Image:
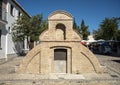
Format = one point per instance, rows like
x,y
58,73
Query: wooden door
x,y
60,61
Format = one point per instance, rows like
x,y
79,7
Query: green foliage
x,y
108,29
118,35
74,25
38,25
21,28
28,27
76,28
84,30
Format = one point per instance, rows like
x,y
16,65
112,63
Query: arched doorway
x,y
60,60
62,31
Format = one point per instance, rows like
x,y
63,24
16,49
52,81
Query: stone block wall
x,y
61,36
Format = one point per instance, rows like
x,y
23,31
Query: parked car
x,y
104,49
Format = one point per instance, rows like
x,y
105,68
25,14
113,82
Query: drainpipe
x,y
6,46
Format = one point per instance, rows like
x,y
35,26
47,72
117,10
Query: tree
x,y
37,26
75,27
21,28
84,30
118,34
26,27
108,29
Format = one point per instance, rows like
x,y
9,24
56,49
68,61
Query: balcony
x,y
3,17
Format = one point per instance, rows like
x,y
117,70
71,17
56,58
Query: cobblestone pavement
x,y
8,67
112,64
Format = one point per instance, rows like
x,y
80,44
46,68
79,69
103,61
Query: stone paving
x,y
9,77
111,62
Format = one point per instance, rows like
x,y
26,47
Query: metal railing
x,y
3,14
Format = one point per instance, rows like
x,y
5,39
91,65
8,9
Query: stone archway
x,y
61,27
60,60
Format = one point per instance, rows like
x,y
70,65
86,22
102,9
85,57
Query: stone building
x,y
60,50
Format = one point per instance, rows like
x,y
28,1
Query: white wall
x,y
9,46
3,41
11,19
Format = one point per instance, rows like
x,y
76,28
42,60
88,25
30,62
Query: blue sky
x,y
93,12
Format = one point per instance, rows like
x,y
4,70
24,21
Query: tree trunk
x,y
31,45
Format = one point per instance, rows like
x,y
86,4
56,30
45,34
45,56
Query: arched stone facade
x,y
60,50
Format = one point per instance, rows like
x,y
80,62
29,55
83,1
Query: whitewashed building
x,y
9,12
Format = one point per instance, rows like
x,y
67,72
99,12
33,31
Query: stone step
x,y
59,82
54,76
57,79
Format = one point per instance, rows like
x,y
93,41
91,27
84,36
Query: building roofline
x,y
21,7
